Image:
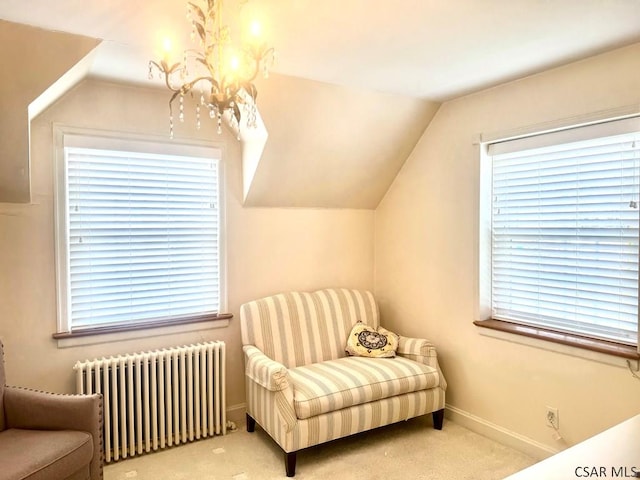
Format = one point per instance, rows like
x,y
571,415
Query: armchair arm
x,y
274,378
261,369
422,351
416,346
36,410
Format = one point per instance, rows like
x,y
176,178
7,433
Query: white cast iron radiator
x,y
158,399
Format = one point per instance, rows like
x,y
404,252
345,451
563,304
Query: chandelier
x,y
220,74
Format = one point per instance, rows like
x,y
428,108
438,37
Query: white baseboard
x,y
495,432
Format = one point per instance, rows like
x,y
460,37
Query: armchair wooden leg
x,y
438,419
290,463
251,423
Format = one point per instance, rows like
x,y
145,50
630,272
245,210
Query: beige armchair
x,y
303,389
46,436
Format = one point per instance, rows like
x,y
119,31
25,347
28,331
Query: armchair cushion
x,y
45,454
335,384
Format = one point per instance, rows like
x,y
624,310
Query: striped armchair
x,y
303,389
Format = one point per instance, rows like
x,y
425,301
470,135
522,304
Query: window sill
x,y
561,339
106,334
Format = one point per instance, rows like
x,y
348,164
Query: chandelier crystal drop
x,y
219,75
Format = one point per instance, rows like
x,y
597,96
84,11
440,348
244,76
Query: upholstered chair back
x,y
299,328
2,382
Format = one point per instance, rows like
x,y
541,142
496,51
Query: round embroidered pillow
x,y
365,341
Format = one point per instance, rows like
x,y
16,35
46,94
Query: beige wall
x,y
32,60
269,250
427,252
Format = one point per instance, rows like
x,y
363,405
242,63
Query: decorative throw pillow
x,y
365,341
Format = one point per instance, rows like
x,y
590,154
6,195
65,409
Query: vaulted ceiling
x,y
360,79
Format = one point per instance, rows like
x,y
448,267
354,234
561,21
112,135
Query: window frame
x,y
111,140
484,317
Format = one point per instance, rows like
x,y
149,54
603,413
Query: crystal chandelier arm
x,y
251,90
256,69
164,68
168,71
258,54
173,97
187,87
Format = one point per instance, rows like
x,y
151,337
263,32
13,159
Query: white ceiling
x,y
432,49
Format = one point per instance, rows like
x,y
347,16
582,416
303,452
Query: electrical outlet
x,y
553,420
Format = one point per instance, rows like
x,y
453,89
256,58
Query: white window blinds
x,y
143,236
565,231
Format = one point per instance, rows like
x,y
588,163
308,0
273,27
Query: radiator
x,y
153,400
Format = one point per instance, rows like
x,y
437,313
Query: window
x,y
139,233
564,231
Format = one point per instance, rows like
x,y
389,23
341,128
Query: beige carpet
x,y
407,450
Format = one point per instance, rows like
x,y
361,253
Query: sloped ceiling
x,y
32,61
332,146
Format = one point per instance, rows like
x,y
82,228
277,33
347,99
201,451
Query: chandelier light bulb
x,y
234,63
166,45
256,29
166,49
